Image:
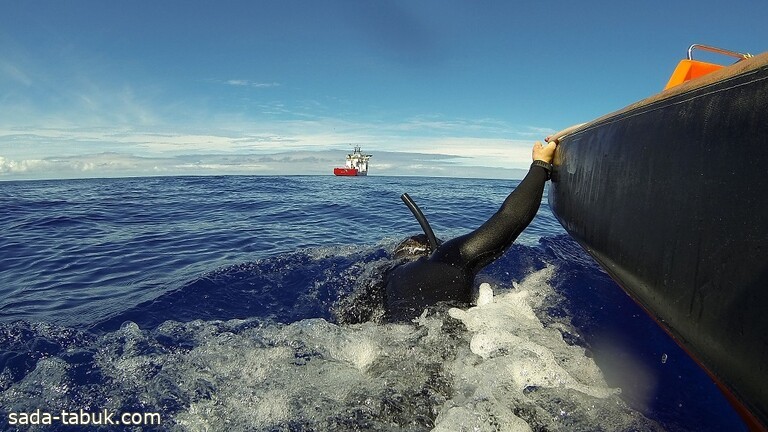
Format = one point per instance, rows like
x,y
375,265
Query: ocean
x,y
207,304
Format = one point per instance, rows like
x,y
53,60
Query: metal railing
x,y
726,52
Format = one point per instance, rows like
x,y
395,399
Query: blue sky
x,y
449,88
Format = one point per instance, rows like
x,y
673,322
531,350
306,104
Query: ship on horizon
x,y
355,165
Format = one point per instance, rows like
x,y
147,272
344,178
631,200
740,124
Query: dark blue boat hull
x,y
671,198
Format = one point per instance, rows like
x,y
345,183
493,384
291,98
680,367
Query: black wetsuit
x,y
448,273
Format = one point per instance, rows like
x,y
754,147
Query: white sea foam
x,y
519,357
492,367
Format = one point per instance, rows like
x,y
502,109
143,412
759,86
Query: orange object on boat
x,y
689,68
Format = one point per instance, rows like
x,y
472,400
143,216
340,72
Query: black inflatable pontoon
x,y
670,196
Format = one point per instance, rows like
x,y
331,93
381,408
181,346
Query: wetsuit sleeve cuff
x,y
545,165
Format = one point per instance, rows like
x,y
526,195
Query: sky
x,y
284,87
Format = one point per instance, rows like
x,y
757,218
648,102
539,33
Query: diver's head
x,y
413,247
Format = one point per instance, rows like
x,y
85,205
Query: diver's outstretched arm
x,y
483,245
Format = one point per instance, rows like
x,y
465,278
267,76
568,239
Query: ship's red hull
x,y
345,171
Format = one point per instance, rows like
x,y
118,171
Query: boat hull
x,y
670,196
347,172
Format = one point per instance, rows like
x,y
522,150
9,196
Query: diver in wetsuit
x,y
427,271
447,273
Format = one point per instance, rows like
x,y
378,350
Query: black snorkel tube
x,y
422,220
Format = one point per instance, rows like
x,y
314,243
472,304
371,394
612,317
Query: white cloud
x,y
502,153
429,146
253,84
300,162
8,166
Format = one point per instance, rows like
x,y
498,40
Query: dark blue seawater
x,y
209,300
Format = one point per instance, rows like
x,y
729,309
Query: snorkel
x,y
422,221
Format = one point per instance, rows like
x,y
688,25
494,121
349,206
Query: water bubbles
x,y
485,294
496,366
